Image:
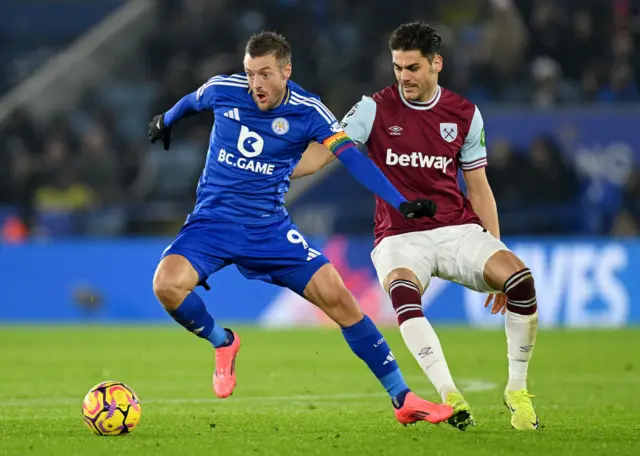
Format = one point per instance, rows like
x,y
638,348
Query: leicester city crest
x,y
280,126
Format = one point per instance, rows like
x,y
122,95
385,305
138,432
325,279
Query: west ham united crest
x,y
280,126
449,131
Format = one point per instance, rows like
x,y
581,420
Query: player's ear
x,y
286,70
436,63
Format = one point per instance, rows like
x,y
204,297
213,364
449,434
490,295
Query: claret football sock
x,y
369,345
193,315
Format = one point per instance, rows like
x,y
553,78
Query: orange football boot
x,y
417,409
224,375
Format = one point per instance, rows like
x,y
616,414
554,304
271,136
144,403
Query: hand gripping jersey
x,y
419,147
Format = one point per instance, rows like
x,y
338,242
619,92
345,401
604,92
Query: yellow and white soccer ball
x,y
111,408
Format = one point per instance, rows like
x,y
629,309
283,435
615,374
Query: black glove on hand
x,y
418,208
157,130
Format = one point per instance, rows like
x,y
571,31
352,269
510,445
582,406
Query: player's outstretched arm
x,y
327,130
193,103
160,126
314,158
187,106
369,175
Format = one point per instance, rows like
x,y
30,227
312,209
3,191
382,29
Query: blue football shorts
x,y
276,253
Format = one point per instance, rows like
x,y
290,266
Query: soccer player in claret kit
x,y
263,123
419,134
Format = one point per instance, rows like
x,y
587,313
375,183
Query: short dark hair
x,y
269,43
416,36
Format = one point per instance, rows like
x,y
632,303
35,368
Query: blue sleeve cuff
x,y
369,175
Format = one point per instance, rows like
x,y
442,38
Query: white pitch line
x,y
470,385
466,385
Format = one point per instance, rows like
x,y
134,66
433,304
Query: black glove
x,y
157,130
418,208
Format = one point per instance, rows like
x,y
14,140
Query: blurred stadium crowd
x,y
91,171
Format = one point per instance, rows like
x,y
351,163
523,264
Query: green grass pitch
x,y
302,392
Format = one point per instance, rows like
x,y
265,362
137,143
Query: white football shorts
x,y
455,253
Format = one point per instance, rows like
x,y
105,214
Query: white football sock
x,y
424,345
521,337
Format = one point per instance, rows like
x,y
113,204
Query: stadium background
x,y
87,205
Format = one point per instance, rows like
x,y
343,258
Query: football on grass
x,y
111,408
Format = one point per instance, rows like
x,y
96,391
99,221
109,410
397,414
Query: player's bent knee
x,y
521,293
173,280
502,265
406,299
402,274
168,291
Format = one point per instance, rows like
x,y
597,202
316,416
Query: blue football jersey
x,y
252,153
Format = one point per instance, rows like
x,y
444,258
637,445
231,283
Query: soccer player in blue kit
x,y
263,123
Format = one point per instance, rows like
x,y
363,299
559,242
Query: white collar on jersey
x,y
422,105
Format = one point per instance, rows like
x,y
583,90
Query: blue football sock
x,y
193,315
369,345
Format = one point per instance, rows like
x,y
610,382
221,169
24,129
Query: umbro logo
x,y
395,130
233,114
426,351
